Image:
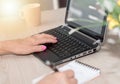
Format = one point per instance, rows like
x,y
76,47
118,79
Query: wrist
x,y
3,51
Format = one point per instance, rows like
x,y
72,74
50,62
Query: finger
x,y
73,81
41,36
38,48
69,73
44,40
49,36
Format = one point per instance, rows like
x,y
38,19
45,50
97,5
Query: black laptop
x,y
81,35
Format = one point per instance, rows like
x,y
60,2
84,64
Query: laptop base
x,y
66,49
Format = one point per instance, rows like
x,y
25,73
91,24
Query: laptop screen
x,y
87,15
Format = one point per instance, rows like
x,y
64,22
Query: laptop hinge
x,y
97,42
66,26
73,30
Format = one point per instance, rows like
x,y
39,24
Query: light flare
x,y
9,8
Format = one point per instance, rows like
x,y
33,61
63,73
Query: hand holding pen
x,y
65,77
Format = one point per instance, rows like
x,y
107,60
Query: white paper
x,y
82,73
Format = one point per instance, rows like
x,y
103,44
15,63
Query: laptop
x,y
81,35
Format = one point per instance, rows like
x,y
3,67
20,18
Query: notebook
x,y
81,35
83,72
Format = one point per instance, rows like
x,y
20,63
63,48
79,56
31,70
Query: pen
x,y
52,66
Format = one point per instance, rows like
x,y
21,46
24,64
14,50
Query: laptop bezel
x,y
86,31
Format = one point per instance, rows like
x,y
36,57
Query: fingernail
x,y
44,47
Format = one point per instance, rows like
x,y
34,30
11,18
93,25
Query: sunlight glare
x,y
10,8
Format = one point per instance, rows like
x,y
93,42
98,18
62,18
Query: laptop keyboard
x,y
67,45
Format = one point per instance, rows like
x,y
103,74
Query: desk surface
x,y
22,69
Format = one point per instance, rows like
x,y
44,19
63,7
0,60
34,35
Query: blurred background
x,y
12,26
45,4
51,4
11,6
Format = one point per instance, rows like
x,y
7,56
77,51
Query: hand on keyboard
x,y
66,45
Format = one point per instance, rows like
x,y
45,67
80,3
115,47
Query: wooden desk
x,y
22,69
